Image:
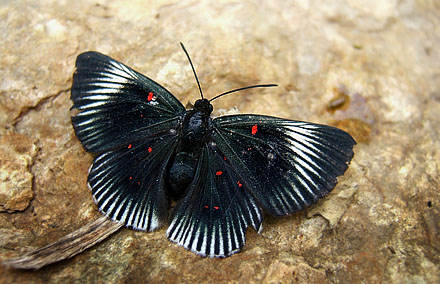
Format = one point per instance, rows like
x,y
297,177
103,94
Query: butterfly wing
x,y
132,122
128,183
212,218
117,104
288,165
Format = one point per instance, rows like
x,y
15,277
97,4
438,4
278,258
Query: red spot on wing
x,y
216,207
129,146
150,149
254,129
239,184
224,158
206,206
150,96
219,173
142,115
139,183
130,177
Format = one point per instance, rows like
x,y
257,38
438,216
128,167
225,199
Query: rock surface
x,y
16,155
371,68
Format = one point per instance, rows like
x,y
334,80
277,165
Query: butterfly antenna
x,y
241,89
194,70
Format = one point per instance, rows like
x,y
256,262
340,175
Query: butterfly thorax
x,y
196,126
195,130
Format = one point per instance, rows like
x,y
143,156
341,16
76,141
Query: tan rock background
x,y
370,67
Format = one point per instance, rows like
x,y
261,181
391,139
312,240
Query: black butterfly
x,y
222,172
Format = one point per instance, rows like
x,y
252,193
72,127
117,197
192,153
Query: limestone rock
x,y
16,156
369,67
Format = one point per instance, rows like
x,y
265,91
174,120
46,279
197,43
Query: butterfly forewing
x,y
117,104
287,164
128,184
212,218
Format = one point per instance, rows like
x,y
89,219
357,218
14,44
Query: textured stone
x,y
16,158
369,67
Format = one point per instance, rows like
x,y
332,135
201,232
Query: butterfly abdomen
x,y
180,174
194,133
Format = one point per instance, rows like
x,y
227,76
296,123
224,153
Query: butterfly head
x,y
203,105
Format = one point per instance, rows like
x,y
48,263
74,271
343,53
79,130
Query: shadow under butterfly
x,y
222,172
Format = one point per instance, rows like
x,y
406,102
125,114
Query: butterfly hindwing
x,y
287,164
128,184
117,104
212,218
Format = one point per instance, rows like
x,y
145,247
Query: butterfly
x,y
218,174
